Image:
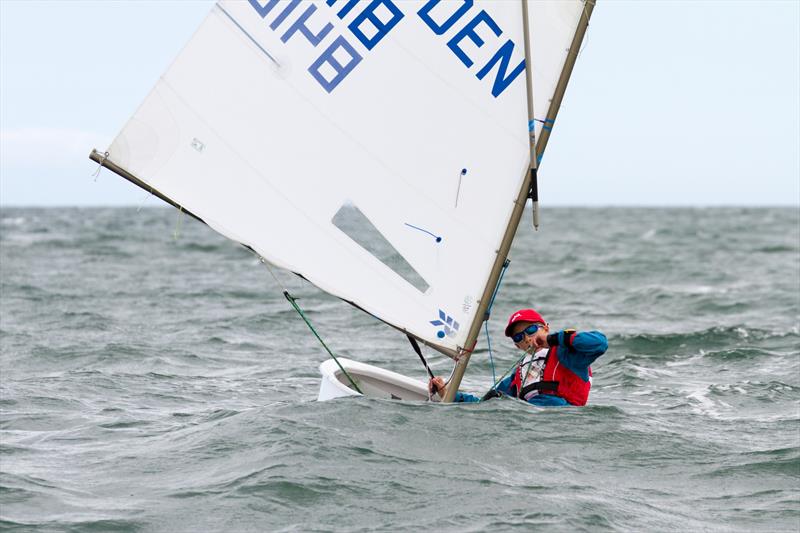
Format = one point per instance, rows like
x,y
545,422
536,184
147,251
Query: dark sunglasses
x,y
530,330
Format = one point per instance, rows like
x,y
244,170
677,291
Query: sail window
x,y
352,222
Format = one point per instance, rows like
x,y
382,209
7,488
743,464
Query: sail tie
x,y
177,232
437,237
100,166
544,123
460,177
292,300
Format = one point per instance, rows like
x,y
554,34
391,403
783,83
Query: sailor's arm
x,y
437,385
578,349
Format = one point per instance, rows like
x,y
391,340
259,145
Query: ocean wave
x,y
176,391
713,338
79,523
781,463
777,249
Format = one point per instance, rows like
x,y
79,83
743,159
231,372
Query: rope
x,y
100,166
415,346
497,287
512,367
296,307
177,232
271,273
303,316
489,312
489,344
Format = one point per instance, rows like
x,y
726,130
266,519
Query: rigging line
x,y
447,381
415,346
296,307
512,367
271,273
308,323
497,287
489,343
489,312
528,373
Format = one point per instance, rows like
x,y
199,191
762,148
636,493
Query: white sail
x,y
305,130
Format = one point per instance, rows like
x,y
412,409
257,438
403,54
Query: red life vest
x,y
557,380
570,386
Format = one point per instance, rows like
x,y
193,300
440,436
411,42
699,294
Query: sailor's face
x,y
536,340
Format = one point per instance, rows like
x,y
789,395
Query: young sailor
x,y
556,370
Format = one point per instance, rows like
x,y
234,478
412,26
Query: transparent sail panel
x,y
355,225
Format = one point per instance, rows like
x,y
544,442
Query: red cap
x,y
524,315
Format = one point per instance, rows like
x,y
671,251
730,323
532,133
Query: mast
x,y
534,162
526,191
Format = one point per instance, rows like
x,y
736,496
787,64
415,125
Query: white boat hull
x,y
373,381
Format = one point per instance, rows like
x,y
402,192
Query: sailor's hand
x,y
539,339
436,385
491,394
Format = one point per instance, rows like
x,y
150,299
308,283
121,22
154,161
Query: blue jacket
x,y
586,347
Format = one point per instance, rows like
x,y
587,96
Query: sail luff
x,y
524,194
508,237
563,80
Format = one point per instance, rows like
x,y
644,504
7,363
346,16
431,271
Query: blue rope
x,y
489,312
489,343
497,288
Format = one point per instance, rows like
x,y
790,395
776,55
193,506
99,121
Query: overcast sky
x,y
671,102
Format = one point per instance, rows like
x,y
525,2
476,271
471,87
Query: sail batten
x,y
276,118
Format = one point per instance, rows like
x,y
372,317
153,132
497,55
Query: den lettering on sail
x,y
462,28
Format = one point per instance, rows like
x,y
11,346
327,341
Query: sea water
x,y
154,378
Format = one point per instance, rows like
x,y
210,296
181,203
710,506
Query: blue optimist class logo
x,y
459,25
450,325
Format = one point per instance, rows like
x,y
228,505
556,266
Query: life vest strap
x,y
541,386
